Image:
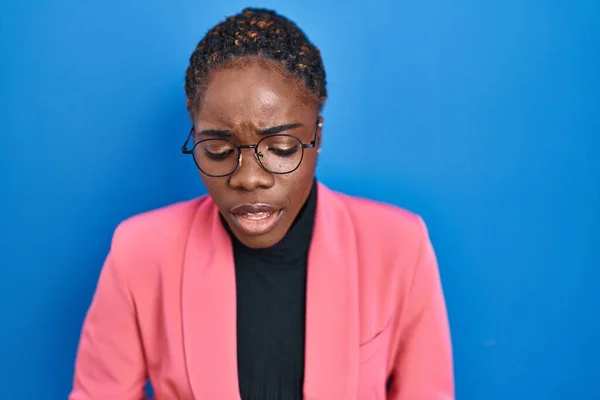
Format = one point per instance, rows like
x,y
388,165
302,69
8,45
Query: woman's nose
x,y
250,174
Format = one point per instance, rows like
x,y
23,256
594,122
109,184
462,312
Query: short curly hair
x,y
257,33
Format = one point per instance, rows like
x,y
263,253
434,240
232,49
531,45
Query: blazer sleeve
x,y
110,363
423,365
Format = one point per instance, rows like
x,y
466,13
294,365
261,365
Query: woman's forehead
x,y
237,95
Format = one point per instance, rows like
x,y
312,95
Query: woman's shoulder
x,y
376,215
383,231
156,229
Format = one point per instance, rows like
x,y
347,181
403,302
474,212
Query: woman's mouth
x,y
255,219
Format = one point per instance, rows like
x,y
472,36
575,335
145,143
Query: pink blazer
x,y
164,308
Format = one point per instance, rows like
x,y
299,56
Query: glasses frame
x,y
257,154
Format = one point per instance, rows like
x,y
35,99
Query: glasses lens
x,y
280,154
216,156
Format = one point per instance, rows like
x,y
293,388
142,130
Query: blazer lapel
x,y
332,331
209,308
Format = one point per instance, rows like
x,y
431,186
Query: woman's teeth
x,y
257,216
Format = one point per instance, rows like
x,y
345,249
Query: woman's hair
x,y
257,34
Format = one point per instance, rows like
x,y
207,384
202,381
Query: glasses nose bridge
x,y
257,155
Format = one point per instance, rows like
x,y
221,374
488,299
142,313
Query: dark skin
x,y
246,99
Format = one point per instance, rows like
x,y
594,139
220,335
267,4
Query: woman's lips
x,y
255,219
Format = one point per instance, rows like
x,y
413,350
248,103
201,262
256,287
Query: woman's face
x,y
240,103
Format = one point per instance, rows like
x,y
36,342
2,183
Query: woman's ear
x,y
319,132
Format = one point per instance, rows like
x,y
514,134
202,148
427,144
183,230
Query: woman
x,y
273,286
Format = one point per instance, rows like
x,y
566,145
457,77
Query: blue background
x,y
484,117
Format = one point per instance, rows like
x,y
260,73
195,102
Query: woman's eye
x,y
217,155
283,151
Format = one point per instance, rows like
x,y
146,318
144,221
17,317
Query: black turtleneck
x,y
271,309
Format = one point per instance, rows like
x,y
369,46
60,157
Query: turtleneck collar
x,y
295,244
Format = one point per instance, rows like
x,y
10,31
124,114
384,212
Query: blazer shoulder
x,y
374,215
155,230
387,234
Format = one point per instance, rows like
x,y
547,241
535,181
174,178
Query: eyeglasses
x,y
277,154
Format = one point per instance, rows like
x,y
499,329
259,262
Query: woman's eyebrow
x,y
223,133
278,129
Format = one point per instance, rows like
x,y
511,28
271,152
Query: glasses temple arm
x,y
184,148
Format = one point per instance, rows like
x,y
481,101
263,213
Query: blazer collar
x,y
209,305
